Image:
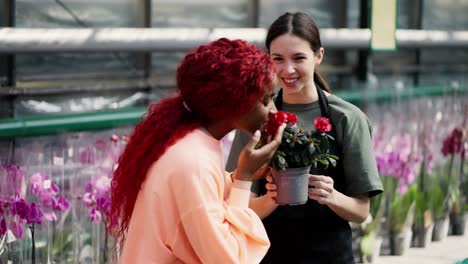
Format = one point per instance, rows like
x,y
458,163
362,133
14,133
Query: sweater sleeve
x,y
221,231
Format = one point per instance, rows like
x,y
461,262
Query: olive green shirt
x,y
353,134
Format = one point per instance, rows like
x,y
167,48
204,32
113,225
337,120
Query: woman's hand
x,y
352,209
265,204
251,159
271,188
322,189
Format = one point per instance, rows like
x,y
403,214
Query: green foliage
x,y
402,210
438,202
371,230
301,148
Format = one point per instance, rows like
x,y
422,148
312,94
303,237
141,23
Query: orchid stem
x,y
33,250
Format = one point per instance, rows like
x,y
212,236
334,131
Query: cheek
x,y
279,68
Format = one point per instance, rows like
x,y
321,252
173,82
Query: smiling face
x,y
257,117
295,63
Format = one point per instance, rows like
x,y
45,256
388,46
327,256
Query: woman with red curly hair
x,y
172,201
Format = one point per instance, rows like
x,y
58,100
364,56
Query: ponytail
x,y
321,81
165,123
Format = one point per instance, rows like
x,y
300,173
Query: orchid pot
x,y
292,185
298,151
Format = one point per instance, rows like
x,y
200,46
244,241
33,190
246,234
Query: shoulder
x,y
192,150
346,113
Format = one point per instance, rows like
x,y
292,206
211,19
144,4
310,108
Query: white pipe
x,y
31,40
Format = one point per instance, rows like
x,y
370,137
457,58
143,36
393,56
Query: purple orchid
x,y
35,214
97,198
14,176
3,227
19,207
453,143
16,227
46,191
18,212
398,160
95,215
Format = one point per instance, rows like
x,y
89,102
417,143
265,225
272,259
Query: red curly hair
x,y
221,80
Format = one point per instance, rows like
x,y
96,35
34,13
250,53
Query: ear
x,y
319,55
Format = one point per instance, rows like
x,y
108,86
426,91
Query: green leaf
x,y
368,244
281,163
324,146
312,149
324,162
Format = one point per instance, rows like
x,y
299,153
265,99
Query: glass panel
x,y
405,18
444,66
66,66
205,13
322,11
5,107
73,103
445,14
3,13
3,71
76,14
391,69
353,13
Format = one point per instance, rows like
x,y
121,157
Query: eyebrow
x,y
270,95
295,54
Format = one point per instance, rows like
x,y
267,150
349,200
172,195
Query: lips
x,y
290,81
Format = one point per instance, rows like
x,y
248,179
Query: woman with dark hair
x,y
172,201
318,231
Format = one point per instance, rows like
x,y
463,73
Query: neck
x,y
305,96
217,130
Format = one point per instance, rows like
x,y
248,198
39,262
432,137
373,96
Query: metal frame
x,y
8,61
32,40
363,54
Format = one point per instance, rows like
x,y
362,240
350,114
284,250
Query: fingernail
x,y
257,133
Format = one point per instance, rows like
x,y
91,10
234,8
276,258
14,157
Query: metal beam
x,y
47,125
28,40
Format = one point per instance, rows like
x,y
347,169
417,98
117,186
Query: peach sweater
x,y
189,211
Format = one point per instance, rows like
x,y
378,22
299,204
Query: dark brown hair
x,y
302,26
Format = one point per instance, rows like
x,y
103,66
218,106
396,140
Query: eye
x,y
300,58
267,100
277,59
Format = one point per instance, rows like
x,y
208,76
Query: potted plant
x,y
298,151
372,240
423,222
401,220
454,147
439,207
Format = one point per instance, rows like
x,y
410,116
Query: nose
x,y
272,107
290,67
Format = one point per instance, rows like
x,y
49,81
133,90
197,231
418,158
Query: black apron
x,y
309,233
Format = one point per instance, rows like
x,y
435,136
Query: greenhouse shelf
x,y
46,125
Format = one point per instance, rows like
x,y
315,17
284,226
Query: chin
x,y
291,89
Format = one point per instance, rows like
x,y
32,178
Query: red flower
x,y
453,143
275,120
322,124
